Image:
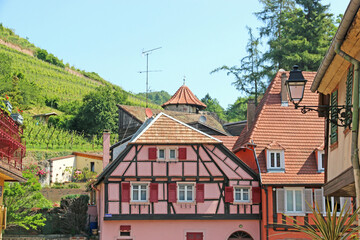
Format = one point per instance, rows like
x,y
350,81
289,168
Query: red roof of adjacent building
x,y
228,141
184,96
286,128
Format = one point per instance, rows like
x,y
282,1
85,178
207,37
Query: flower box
x,y
17,118
8,105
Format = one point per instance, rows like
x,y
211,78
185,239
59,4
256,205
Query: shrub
x,y
73,185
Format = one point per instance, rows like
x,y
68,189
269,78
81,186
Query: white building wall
x,y
58,167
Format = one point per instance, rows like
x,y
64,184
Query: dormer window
x,y
320,160
275,160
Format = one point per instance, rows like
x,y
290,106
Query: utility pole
x,y
146,53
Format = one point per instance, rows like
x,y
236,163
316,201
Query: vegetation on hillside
x,y
157,97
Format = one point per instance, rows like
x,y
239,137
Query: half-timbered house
x,y
286,148
172,181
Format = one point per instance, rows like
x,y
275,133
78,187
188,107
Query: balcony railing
x,y
11,149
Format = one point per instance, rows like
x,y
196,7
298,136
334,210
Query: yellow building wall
x,y
82,162
339,158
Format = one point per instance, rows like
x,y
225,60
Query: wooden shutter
x,y
280,197
125,192
182,154
348,100
308,200
172,192
194,236
319,200
229,194
152,153
200,194
256,195
154,192
334,118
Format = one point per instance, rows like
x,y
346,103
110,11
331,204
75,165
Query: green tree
x,y
99,111
237,111
249,77
299,32
20,198
213,105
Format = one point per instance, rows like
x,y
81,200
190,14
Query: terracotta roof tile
x,y
228,141
188,118
167,130
184,96
299,134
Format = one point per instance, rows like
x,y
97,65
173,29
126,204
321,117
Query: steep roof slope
x,y
184,96
188,118
298,134
167,130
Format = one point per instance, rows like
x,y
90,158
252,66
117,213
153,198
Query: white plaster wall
x,y
58,173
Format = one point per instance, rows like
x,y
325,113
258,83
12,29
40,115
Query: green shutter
x,y
334,116
348,101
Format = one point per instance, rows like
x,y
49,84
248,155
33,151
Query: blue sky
x,y
108,37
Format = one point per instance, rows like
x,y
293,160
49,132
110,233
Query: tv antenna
x,y
146,53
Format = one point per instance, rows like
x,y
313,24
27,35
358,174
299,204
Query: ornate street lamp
x,y
296,86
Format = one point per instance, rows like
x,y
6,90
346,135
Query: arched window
x,y
240,235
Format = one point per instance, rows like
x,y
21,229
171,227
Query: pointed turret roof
x,y
184,96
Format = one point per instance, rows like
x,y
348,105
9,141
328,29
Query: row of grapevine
x,y
39,135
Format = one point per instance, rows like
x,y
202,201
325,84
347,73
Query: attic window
x,y
275,161
321,158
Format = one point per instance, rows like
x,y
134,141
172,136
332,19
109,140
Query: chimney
x,y
106,148
283,93
250,113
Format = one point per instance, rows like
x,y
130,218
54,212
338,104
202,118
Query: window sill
x,y
321,171
139,203
241,203
295,214
186,203
334,146
276,170
167,160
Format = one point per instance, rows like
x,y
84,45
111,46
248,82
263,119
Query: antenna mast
x,y
147,52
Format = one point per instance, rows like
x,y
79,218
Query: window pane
x,y
272,159
161,153
298,199
143,187
182,187
289,201
246,196
182,195
237,196
172,153
323,160
135,195
189,195
278,159
143,195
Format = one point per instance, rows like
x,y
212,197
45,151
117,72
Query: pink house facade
x,y
172,181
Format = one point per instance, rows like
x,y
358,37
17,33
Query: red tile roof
x,y
228,141
298,134
184,96
167,130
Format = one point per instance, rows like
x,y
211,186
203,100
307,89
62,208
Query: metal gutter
x,y
344,26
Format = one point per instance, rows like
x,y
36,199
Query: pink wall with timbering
x,y
177,229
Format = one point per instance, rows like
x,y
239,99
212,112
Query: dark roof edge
x,y
341,32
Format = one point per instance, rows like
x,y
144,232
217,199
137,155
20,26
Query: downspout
x,y
260,184
355,120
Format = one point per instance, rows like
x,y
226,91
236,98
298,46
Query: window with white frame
x,y
321,163
294,200
275,160
186,192
172,154
161,154
139,192
339,202
242,194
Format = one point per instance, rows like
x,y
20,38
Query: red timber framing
x,y
207,174
12,150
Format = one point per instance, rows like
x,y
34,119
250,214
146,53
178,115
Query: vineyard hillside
x,y
51,76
